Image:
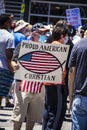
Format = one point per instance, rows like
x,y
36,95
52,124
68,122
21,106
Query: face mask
x,y
66,40
42,38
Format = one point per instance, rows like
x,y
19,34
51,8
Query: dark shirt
x,y
67,69
78,59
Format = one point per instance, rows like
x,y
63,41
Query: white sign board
x,y
41,62
73,17
2,7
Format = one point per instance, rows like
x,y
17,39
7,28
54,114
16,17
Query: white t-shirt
x,y
6,41
76,39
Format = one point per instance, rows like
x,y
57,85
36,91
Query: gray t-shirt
x,y
6,41
78,59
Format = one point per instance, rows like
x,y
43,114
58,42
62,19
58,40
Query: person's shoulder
x,y
4,31
80,42
18,34
7,34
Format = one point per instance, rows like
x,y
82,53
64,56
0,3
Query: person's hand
x,y
15,66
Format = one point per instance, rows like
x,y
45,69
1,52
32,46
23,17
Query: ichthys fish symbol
x,y
40,62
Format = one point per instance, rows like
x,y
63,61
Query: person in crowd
x,y
78,85
79,34
13,23
21,31
43,31
71,34
55,94
6,53
77,37
8,27
28,103
84,30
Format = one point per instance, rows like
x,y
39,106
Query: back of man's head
x,y
3,19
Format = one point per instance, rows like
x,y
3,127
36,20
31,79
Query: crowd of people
x,y
43,102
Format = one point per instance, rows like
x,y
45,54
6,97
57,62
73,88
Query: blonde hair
x,y
85,33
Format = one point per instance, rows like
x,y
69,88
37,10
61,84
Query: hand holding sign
x,y
42,62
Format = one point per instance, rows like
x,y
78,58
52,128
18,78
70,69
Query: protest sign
x,y
73,17
42,62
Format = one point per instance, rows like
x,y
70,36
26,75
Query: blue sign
x,y
73,17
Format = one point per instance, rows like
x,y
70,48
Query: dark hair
x,y
61,22
71,28
4,18
59,30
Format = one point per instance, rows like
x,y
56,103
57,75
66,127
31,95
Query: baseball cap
x,y
39,27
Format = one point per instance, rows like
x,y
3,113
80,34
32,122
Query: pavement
x,y
7,124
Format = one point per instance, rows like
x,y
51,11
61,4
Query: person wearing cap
x,y
29,96
21,31
40,29
6,53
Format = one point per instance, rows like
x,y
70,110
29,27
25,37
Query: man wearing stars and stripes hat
x,y
29,95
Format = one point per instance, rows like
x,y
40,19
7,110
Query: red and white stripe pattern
x,y
30,86
41,62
